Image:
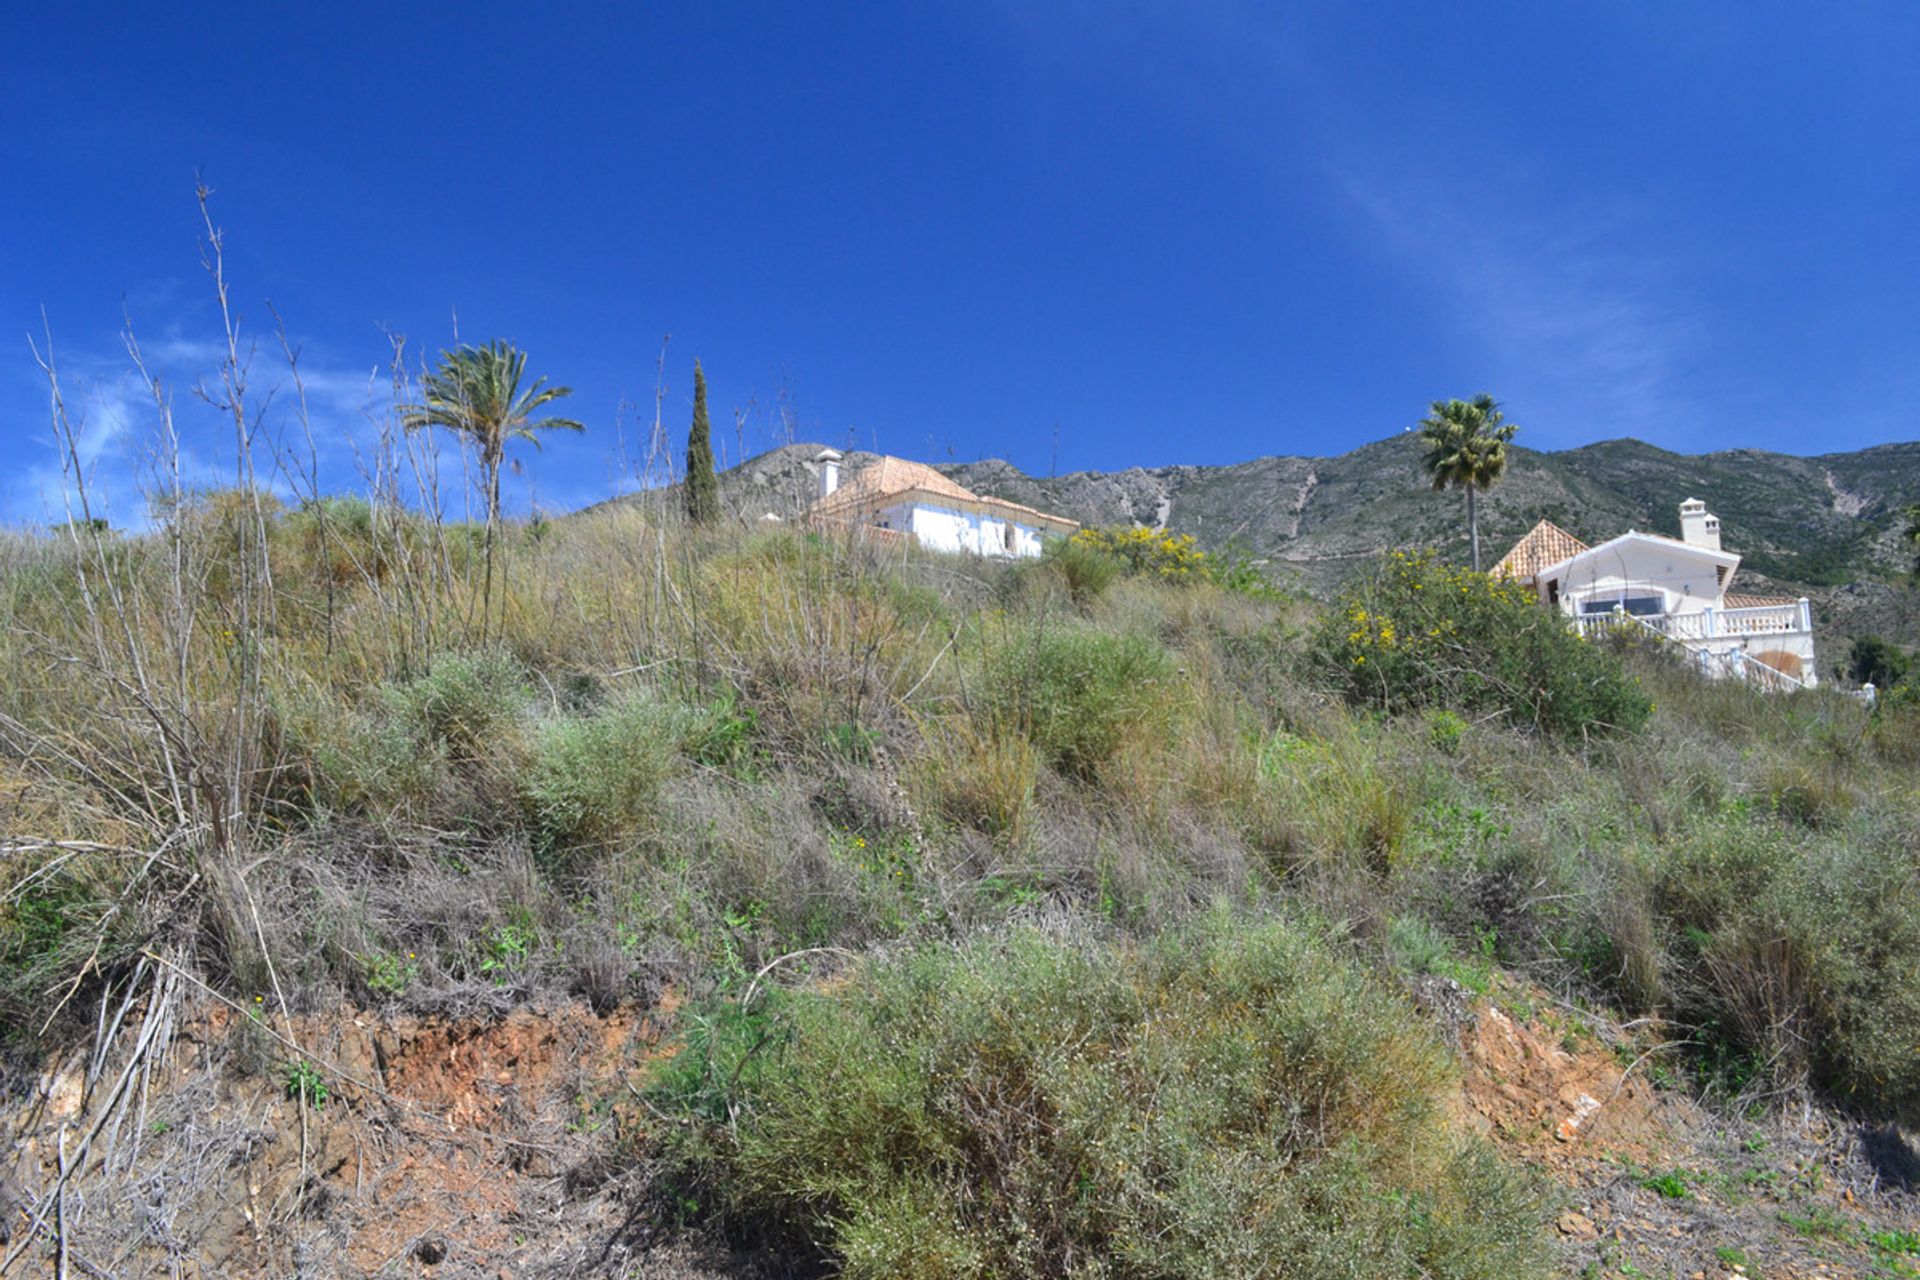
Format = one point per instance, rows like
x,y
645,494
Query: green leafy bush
x,y
462,717
1085,569
1229,1100
1077,692
1445,730
464,702
1418,633
303,1083
1801,951
596,777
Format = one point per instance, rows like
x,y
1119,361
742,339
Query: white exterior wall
x,y
1685,583
1691,607
900,517
965,532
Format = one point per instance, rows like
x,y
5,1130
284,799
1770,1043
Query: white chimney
x,y
1698,526
828,464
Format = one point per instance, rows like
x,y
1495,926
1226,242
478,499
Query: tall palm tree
x,y
475,393
1466,444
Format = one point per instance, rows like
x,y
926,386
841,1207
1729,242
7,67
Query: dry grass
x,y
279,741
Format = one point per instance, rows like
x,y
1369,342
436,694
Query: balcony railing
x,y
1713,638
1708,624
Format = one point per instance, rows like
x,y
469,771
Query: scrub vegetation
x,y
1088,833
1032,920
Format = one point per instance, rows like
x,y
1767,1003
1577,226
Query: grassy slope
x,y
682,756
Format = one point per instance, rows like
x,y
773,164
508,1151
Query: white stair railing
x,y
1736,663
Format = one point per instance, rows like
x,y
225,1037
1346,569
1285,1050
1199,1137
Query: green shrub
x,y
465,701
1802,951
1445,729
1086,570
1815,795
1895,726
462,718
1418,634
303,1082
597,777
1171,557
1236,569
1230,1100
1078,692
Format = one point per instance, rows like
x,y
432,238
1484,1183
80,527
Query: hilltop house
x,y
1677,588
892,497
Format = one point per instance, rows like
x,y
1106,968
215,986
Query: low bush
x,y
1171,557
1418,633
464,702
596,777
1801,952
1084,569
1077,692
1230,1099
441,744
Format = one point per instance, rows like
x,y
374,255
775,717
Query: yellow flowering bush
x,y
1173,556
1418,633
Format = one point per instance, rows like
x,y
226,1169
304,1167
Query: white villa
x,y
894,498
1676,588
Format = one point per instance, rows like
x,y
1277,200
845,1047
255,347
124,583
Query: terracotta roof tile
x,y
880,480
1546,543
871,486
1739,600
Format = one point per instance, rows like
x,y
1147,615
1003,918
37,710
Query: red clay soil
x,y
514,1147
1654,1184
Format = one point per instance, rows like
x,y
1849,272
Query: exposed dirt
x,y
513,1147
446,1148
1655,1184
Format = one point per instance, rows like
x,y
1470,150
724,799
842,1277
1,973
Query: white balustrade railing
x,y
1706,624
1697,632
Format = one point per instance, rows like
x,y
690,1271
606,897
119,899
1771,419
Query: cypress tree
x,y
703,488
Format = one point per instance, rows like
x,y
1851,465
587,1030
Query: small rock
x,y
1577,1225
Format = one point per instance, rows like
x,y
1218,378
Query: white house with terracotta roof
x,y
897,498
1680,589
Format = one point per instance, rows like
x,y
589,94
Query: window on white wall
x,y
1639,606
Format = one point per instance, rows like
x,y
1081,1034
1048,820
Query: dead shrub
x,y
980,778
1814,794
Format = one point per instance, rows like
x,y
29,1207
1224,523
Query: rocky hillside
x,y
1827,527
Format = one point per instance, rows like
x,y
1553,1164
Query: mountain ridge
x,y
1827,526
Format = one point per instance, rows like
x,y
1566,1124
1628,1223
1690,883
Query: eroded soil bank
x,y
518,1146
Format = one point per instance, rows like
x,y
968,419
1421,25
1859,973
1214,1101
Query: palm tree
x,y
1466,444
475,393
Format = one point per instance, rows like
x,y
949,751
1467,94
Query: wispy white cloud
x,y
1560,310
1551,300
118,436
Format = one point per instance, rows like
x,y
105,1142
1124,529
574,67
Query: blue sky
x,y
1190,232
